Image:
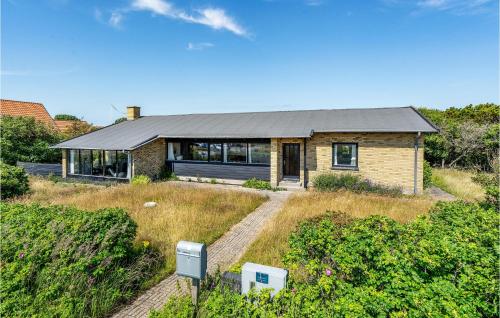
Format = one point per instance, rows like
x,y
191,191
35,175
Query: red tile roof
x,y
28,109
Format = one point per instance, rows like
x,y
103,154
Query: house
x,y
384,145
26,109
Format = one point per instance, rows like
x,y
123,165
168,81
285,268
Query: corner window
x,y
345,155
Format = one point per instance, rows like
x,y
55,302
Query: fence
x,y
41,169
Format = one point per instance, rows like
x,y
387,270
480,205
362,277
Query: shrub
x,y
25,139
13,181
427,174
141,180
347,181
440,265
257,184
167,175
61,262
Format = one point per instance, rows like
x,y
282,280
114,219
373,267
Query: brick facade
x,y
277,159
149,159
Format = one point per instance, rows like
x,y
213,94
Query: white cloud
x,y
156,6
115,19
214,18
454,6
98,14
199,46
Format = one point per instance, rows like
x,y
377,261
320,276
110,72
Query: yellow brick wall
x,y
149,159
386,158
64,162
277,159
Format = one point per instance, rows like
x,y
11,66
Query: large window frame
x,y
345,166
76,168
223,145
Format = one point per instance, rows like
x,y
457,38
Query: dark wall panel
x,y
238,172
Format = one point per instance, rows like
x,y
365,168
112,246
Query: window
x,y
110,164
122,163
259,153
99,163
174,151
86,162
345,155
215,152
74,162
198,151
236,152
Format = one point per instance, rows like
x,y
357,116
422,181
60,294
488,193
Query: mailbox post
x,y
191,261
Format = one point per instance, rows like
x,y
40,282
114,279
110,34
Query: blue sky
x,y
170,57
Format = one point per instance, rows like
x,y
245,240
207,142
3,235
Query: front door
x,y
291,160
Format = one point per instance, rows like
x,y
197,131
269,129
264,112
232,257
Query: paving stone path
x,y
222,253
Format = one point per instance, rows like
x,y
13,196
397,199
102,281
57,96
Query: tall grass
x,y
272,243
458,182
182,213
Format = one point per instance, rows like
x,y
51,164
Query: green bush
x,y
13,181
441,265
64,262
352,182
257,184
25,139
427,175
141,179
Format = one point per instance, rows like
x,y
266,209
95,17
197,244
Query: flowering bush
x,y
64,262
441,265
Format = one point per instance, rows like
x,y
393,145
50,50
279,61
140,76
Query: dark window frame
x,y
211,141
345,167
103,175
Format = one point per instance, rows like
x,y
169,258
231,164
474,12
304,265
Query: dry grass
x,y
457,182
183,212
272,243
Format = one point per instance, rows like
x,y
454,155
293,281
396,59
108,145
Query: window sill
x,y
345,168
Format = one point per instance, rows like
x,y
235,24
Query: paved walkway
x,y
439,194
222,253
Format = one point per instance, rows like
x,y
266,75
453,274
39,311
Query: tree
x,y
468,136
121,119
79,128
25,139
66,117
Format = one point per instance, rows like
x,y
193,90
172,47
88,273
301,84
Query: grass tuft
x,y
459,183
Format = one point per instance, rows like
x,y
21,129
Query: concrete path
x,y
222,253
439,194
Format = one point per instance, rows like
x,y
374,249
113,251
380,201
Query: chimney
x,y
133,112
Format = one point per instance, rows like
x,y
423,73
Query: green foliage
x,y
352,182
13,181
427,174
167,175
450,145
257,184
491,185
64,262
176,307
25,139
441,265
120,120
66,117
141,179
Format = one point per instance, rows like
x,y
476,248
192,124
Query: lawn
x,y
183,212
457,182
272,243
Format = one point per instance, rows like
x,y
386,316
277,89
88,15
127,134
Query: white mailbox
x,y
261,276
191,259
